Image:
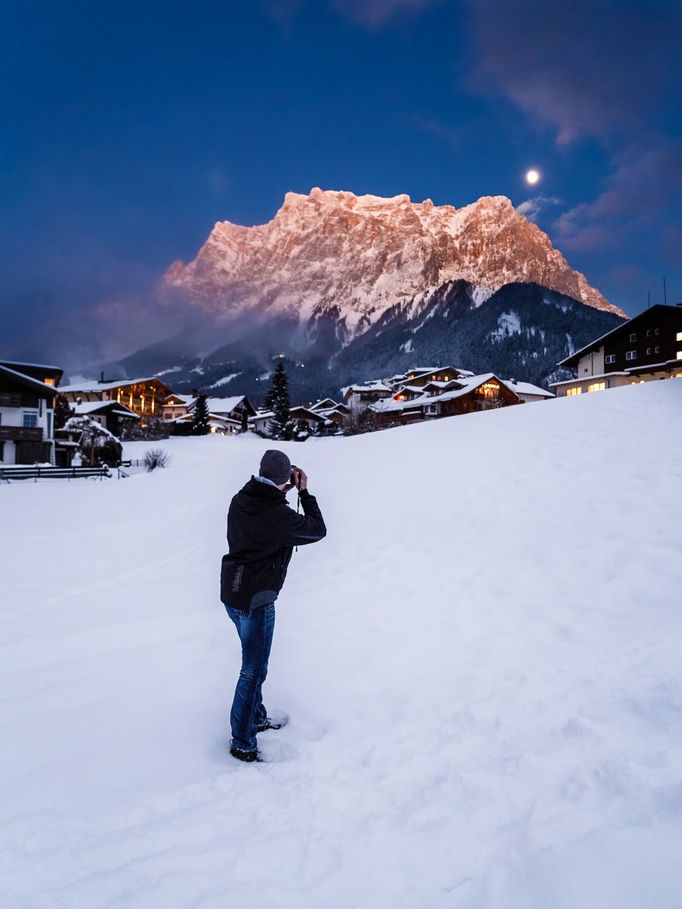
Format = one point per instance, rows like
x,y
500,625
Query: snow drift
x,y
481,663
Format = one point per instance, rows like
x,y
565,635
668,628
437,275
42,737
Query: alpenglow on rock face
x,y
335,254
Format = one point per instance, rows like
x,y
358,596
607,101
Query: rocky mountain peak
x,y
333,253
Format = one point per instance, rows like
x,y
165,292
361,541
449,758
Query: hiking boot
x,y
247,756
269,724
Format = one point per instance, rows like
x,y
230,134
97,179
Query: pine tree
x,y
277,400
62,412
200,424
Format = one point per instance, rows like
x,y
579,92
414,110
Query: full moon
x,y
532,176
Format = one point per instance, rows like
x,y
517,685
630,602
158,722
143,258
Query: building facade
x,y
27,396
145,397
647,347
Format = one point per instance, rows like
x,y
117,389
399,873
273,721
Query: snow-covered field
x,y
482,663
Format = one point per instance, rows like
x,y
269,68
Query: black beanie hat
x,y
275,466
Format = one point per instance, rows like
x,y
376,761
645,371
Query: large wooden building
x,y
145,397
647,347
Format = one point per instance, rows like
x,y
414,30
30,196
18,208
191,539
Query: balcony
x,y
21,434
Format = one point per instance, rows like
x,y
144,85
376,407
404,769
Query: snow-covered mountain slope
x,y
481,664
349,258
522,330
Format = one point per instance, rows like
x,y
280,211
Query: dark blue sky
x,y
127,130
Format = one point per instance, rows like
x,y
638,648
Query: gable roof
x,y
323,404
112,407
55,371
95,385
48,391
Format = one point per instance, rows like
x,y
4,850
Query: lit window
x,y
573,391
679,335
610,358
679,354
633,336
631,355
597,386
49,381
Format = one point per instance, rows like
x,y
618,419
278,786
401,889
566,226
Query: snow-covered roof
x,y
48,390
186,399
46,366
223,405
323,404
338,408
94,385
526,388
468,385
113,407
223,418
373,386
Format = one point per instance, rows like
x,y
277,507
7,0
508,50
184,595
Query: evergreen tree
x,y
277,400
200,426
62,412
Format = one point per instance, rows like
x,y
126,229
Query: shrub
x,y
156,457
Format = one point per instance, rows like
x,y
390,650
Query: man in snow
x,y
261,532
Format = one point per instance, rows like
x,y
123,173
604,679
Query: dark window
x,y
2,451
657,331
30,420
657,349
633,336
649,332
631,355
648,351
610,358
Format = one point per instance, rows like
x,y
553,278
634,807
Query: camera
x,y
293,479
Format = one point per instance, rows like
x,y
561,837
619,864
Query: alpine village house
x,y
647,347
27,396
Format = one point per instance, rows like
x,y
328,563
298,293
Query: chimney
x,y
101,377
513,381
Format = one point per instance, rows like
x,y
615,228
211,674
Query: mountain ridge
x,y
359,255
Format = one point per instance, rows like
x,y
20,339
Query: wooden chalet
x,y
176,406
113,416
358,398
145,397
410,404
420,376
645,348
226,416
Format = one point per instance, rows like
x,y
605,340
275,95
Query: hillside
x,y
481,664
521,330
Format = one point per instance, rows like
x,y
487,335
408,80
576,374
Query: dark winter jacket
x,y
261,532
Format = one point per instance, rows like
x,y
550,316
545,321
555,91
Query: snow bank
x,y
481,663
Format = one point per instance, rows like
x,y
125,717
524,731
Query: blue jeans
x,y
255,631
